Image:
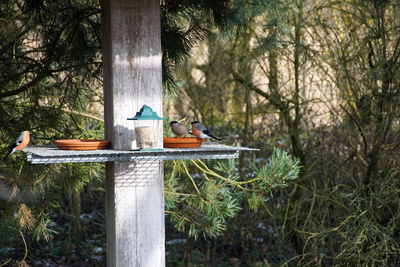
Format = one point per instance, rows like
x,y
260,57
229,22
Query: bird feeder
x,y
148,129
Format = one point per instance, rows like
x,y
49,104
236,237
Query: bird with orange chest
x,y
21,142
201,132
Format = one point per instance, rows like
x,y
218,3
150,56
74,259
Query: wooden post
x,y
132,78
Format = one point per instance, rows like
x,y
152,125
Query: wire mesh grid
x,y
137,173
35,159
132,168
48,155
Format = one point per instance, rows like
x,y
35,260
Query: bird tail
x,y
216,138
8,154
10,150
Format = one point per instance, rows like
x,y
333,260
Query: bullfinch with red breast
x,y
21,142
201,132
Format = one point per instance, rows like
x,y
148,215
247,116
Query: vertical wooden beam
x,y
132,78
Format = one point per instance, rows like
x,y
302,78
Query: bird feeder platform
x,y
51,154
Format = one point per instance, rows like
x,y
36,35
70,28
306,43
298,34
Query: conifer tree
x,y
50,78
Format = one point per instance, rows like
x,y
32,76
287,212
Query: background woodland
x,y
314,84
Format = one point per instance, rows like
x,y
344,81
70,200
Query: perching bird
x,y
201,132
178,129
21,142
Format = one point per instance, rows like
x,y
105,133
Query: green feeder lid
x,y
146,113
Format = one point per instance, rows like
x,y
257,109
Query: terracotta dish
x,y
182,142
77,144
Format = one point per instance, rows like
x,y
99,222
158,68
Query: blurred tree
x,y
328,90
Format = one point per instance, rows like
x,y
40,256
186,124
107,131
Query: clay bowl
x,y
77,144
182,142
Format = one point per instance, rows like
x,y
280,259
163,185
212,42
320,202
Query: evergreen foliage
x,y
256,86
50,82
321,80
183,24
202,202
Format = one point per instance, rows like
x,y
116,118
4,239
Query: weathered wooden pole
x,y
132,78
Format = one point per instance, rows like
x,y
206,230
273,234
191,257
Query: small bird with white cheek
x,y
178,129
201,132
21,142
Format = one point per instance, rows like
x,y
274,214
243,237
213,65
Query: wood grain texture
x,y
132,78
